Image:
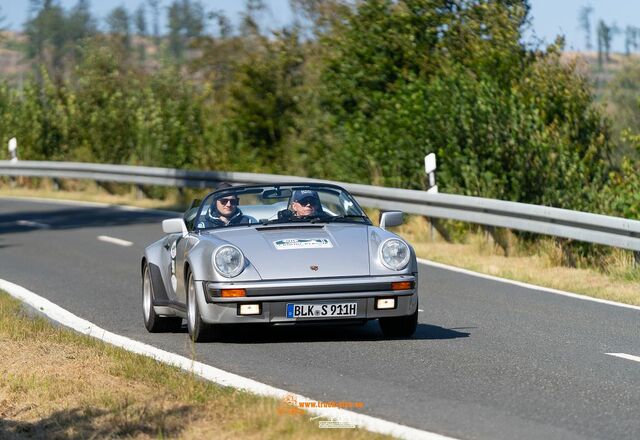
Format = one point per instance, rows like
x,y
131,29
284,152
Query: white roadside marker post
x,y
430,171
13,147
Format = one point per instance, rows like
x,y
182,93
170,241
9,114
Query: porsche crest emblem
x,y
314,268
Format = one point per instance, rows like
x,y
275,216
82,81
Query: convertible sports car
x,y
279,254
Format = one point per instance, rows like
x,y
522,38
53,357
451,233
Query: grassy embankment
x,y
55,383
616,278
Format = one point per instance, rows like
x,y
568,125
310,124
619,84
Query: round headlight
x,y
394,254
228,261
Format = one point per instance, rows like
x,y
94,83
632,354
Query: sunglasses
x,y
306,201
225,202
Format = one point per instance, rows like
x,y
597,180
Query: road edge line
x,y
92,204
626,356
525,285
216,375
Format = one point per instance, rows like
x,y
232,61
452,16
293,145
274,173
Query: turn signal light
x,y
232,293
402,285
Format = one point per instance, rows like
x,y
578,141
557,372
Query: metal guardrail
x,y
583,226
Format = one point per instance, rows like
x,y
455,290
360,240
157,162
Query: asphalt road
x,y
489,360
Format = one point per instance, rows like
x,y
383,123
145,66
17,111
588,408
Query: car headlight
x,y
228,261
394,254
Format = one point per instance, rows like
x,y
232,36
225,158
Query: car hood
x,y
309,251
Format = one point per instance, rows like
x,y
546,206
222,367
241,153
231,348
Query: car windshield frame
x,y
352,212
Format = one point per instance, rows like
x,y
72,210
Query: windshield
x,y
256,205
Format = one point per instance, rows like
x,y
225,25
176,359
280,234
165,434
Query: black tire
x,y
400,326
152,321
199,331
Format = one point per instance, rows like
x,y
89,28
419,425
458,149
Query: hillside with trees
x,y
352,90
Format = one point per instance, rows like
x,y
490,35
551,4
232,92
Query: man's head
x,y
226,205
305,202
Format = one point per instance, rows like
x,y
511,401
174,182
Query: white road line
x,y
208,372
113,240
629,357
92,204
33,224
525,285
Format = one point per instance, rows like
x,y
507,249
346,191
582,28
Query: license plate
x,y
321,310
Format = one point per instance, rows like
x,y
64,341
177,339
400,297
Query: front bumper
x,y
273,298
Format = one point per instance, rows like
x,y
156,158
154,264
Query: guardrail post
x,y
498,238
442,230
140,192
636,258
568,258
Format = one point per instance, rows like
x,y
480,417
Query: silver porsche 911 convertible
x,y
279,254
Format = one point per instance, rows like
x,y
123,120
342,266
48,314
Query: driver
x,y
304,203
225,211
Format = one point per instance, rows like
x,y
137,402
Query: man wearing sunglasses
x,y
225,211
304,203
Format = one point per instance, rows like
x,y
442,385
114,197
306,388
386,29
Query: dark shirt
x,y
287,215
214,221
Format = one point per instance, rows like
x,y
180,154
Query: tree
x,y
119,25
140,22
264,96
154,5
251,17
47,37
584,20
2,19
2,26
401,78
176,38
80,26
630,39
186,21
193,18
225,29
605,37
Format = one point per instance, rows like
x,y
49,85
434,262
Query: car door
x,y
183,246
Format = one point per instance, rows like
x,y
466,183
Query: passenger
x,y
225,211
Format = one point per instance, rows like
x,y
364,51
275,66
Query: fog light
x,y
232,293
385,303
249,309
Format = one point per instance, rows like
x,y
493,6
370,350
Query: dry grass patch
x,y
540,264
56,384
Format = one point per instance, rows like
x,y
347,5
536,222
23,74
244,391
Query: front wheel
x,y
152,321
399,326
199,331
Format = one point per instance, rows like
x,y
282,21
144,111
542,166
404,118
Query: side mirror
x,y
174,226
390,219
